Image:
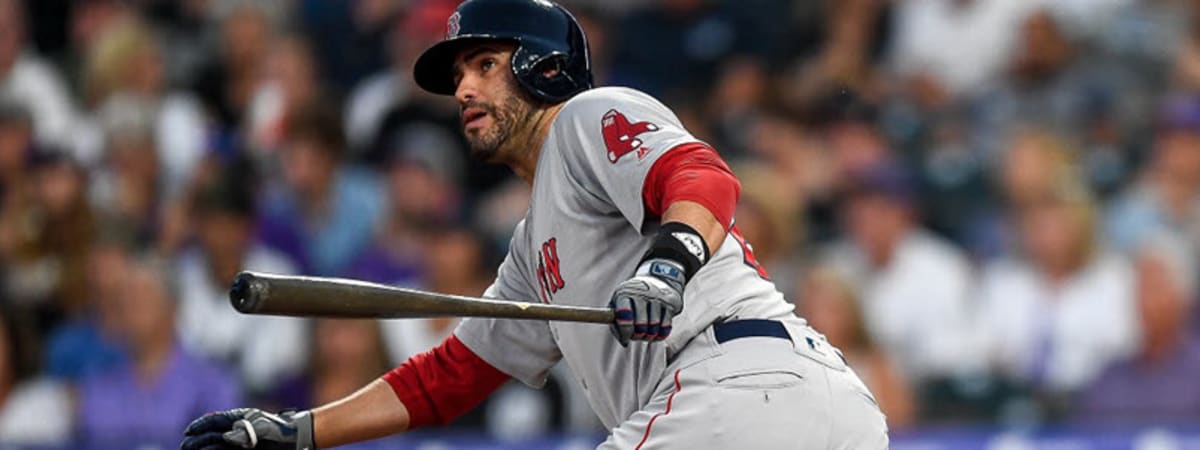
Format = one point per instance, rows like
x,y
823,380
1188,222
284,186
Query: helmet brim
x,y
434,69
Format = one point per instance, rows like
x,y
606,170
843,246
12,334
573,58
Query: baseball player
x,y
629,210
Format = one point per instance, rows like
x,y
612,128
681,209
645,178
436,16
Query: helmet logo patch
x,y
621,136
452,27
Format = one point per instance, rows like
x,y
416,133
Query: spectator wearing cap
x,y
261,348
1061,307
322,212
914,285
1164,203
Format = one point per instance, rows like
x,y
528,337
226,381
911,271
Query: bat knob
x,y
242,294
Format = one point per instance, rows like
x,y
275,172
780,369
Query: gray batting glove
x,y
645,304
250,428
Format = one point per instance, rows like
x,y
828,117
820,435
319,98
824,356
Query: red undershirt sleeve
x,y
443,383
692,172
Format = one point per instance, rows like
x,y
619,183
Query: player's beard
x,y
486,144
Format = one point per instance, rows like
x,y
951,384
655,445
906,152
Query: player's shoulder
x,y
599,101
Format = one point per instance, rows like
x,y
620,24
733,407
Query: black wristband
x,y
681,243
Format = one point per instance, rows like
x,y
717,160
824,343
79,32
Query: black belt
x,y
736,329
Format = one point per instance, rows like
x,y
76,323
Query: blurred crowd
x,y
991,206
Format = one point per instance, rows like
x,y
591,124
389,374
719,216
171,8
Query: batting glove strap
x,y
305,439
681,244
666,270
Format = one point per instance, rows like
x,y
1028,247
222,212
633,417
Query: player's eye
x,y
487,64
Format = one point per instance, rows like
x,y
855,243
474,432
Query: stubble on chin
x,y
485,145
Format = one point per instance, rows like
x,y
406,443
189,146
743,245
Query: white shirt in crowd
x,y
962,45
37,413
36,86
1058,336
264,349
916,308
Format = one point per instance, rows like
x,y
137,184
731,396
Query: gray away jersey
x,y
584,234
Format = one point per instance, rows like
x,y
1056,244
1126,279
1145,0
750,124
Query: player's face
x,y
490,102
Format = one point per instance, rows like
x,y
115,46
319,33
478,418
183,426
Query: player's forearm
x,y
699,218
372,412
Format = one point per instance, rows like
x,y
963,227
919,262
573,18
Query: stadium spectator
x,y
454,264
322,212
227,82
679,45
1165,200
347,354
886,253
31,82
287,84
767,217
830,305
261,348
126,189
1039,307
423,197
1158,383
125,66
87,343
946,50
367,105
35,411
1055,83
151,396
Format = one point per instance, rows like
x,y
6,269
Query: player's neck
x,y
526,165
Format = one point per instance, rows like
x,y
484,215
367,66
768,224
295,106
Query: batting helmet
x,y
547,37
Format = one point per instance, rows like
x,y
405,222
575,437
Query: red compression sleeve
x,y
443,383
693,172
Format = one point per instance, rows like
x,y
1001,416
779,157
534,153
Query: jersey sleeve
x,y
523,349
610,138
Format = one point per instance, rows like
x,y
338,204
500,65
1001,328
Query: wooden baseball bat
x,y
285,295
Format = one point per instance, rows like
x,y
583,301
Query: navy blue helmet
x,y
548,40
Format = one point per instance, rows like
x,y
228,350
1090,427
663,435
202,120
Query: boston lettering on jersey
x,y
748,253
548,273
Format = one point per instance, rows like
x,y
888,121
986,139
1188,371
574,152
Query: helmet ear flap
x,y
544,75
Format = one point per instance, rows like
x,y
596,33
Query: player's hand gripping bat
x,y
282,295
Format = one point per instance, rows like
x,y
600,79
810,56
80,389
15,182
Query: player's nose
x,y
467,89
